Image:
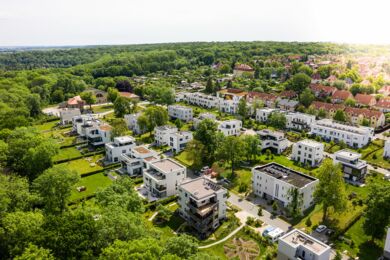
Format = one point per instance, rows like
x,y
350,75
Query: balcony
x,y
155,174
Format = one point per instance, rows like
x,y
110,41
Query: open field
x,y
84,165
67,153
102,108
92,183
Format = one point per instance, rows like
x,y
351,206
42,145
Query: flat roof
x,y
124,139
348,154
310,142
298,238
168,165
141,149
200,188
285,174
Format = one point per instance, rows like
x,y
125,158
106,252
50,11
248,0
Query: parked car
x,y
321,228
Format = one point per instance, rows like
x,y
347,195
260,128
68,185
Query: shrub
x,y
308,222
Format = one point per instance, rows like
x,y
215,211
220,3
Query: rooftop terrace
x,y
298,238
200,188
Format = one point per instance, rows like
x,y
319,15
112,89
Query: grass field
x,y
46,126
182,158
242,176
102,108
92,183
67,153
83,166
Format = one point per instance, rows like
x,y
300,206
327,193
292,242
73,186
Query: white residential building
x,y
230,127
202,117
180,112
132,122
273,181
308,152
202,100
228,106
179,140
354,136
386,150
273,140
299,121
98,133
262,114
163,133
67,115
81,122
120,145
138,159
297,245
353,168
202,203
163,177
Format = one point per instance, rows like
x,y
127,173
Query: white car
x,y
321,228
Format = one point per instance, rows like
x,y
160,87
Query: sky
x,y
98,22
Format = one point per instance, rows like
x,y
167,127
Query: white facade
x,y
163,178
297,245
163,133
132,123
138,159
354,136
80,123
202,117
67,114
353,168
120,145
202,203
262,114
308,152
299,121
273,181
180,112
179,140
273,140
230,127
202,100
386,150
98,133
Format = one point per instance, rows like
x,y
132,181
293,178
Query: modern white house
x,y
386,149
353,168
163,178
230,127
354,136
79,123
98,133
308,152
297,245
163,133
202,203
262,114
273,140
229,99
180,112
67,115
202,100
120,145
274,181
179,140
299,121
137,159
132,123
202,117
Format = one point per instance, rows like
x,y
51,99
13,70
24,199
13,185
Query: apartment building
x,y
230,127
353,168
132,123
273,140
386,150
137,159
163,177
120,145
358,115
354,136
297,245
67,115
274,181
328,108
163,133
229,99
98,133
262,114
202,117
299,121
202,100
79,123
179,140
287,104
202,203
180,112
308,152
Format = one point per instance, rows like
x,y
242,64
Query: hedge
x,y
154,204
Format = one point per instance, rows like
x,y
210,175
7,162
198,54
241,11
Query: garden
x,y
85,165
92,183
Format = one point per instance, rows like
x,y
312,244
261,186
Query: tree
x,y
89,98
14,194
306,97
119,127
338,256
209,86
330,191
296,201
277,120
58,96
377,210
34,105
33,252
206,134
194,150
242,108
350,102
366,122
325,71
183,246
152,116
231,150
178,123
144,248
54,188
260,211
299,82
164,213
340,116
321,113
121,106
251,146
112,94
306,70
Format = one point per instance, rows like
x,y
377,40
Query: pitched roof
x,y
341,94
368,113
128,95
383,103
262,95
322,88
384,90
331,78
364,99
243,67
327,106
288,94
75,100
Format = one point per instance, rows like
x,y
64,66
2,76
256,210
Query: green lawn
x,y
67,153
182,158
83,166
92,183
46,126
102,108
242,176
283,160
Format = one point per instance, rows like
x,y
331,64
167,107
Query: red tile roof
x,y
364,99
322,88
243,67
342,95
128,95
384,90
383,103
368,113
288,94
75,100
261,95
327,106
